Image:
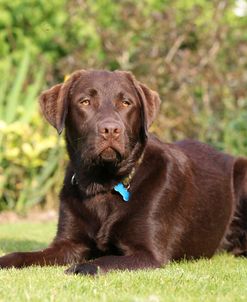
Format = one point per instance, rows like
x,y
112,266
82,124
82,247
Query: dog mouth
x,y
110,154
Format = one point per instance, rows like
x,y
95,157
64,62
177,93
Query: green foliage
x,y
192,52
29,153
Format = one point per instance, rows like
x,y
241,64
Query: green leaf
x,y
14,96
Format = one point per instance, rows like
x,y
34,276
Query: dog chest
x,y
106,211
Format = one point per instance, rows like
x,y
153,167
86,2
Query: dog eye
x,y
126,102
85,102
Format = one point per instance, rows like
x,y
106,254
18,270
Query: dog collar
x,y
122,187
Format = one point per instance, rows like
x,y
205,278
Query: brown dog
x,y
130,201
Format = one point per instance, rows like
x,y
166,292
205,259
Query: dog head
x,y
106,114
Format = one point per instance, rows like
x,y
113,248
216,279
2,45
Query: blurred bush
x,y
30,154
193,52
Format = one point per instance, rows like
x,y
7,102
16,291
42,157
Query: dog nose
x,y
110,129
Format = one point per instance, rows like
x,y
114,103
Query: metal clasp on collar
x,y
73,180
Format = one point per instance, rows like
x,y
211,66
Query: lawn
x,y
222,278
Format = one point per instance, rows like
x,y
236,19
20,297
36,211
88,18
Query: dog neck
x,y
104,178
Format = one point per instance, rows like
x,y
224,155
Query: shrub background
x,y
193,52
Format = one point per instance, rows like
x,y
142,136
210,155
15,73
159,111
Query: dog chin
x,y
110,155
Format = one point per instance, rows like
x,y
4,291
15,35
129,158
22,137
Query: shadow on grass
x,y
9,245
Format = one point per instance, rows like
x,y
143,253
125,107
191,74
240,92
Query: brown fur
x,y
187,199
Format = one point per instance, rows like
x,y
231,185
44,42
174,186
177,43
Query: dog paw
x,y
83,269
12,260
6,262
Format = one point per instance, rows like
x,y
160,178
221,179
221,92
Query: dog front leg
x,y
104,264
59,253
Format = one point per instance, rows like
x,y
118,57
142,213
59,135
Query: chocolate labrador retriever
x,y
130,201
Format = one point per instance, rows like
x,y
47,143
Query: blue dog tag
x,y
120,188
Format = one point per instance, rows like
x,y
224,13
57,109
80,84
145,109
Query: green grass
x,y
222,278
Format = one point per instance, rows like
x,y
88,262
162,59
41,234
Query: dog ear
x,y
150,100
54,102
52,107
